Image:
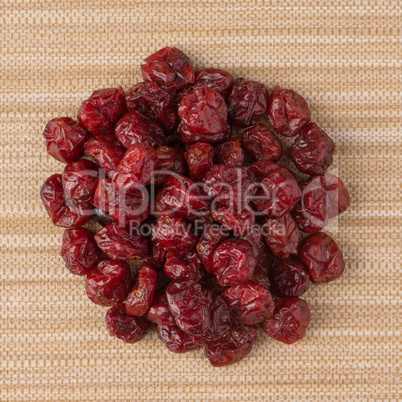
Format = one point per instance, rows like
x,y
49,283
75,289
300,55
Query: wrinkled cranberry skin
x,y
261,168
120,245
174,234
64,213
170,68
184,267
261,143
165,162
234,262
65,139
157,255
180,164
80,180
189,137
230,153
140,298
102,217
199,158
106,151
136,166
154,102
260,277
249,303
281,235
288,112
204,111
288,277
233,346
322,257
219,80
125,327
278,194
240,221
79,250
159,312
101,111
108,283
313,150
176,340
290,320
190,306
247,102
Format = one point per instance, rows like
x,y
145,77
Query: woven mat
x,y
344,58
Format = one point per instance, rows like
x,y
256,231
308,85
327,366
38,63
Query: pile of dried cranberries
x,y
214,219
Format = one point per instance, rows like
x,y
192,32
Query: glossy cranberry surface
x,y
261,168
176,340
159,312
101,216
184,267
188,137
219,80
180,164
200,158
165,163
230,152
239,220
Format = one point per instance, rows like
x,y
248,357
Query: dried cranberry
x,y
154,102
204,111
125,327
119,244
108,283
260,277
288,277
140,298
230,153
157,254
79,250
190,306
165,162
290,320
312,151
219,80
184,267
240,221
322,257
189,137
180,164
261,143
106,151
200,158
234,346
159,207
169,68
234,262
249,303
159,312
101,216
101,111
176,340
288,112
281,235
247,102
64,213
261,168
65,139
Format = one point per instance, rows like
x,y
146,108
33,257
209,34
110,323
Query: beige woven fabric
x,y
344,57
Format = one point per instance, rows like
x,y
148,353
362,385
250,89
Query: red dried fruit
x,y
312,151
79,250
140,298
288,112
290,320
125,327
200,158
230,153
234,346
101,216
261,168
288,277
190,306
203,111
261,143
247,102
240,221
157,254
65,139
101,111
159,312
184,267
260,277
219,80
322,257
154,102
106,151
165,162
180,164
64,213
249,303
234,262
176,340
119,244
189,137
108,283
281,235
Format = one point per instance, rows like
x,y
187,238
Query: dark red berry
x,y
200,158
219,80
189,137
176,340
184,267
101,216
239,220
159,312
180,164
157,254
230,152
165,163
261,168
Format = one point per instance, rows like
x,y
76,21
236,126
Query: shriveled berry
x,y
125,327
140,298
176,340
261,168
65,139
219,80
230,152
261,143
157,254
101,111
184,267
288,277
239,220
290,320
79,250
322,257
247,102
180,164
249,303
260,277
234,346
165,163
101,216
288,112
200,158
108,283
119,244
159,312
189,137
